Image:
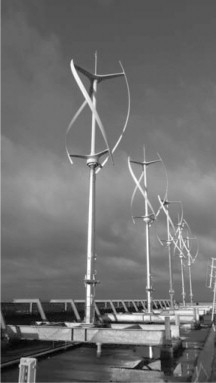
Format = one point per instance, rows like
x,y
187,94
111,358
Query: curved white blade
x,y
173,239
70,126
126,120
190,237
139,187
90,104
134,192
166,190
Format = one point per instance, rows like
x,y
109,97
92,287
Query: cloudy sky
x,y
168,52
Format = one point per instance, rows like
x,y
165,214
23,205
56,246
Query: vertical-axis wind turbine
x,y
169,241
148,217
191,258
181,256
212,284
94,164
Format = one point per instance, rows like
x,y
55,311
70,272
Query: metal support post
x,y
213,302
168,337
148,268
148,218
125,307
31,301
147,221
181,263
27,370
150,352
93,162
196,315
169,242
89,279
190,281
182,278
189,271
211,272
212,285
98,349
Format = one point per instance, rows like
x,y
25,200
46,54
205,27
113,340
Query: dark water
x,y
82,364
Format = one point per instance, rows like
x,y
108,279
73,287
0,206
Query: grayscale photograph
x,y
108,191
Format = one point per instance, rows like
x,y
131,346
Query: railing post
x,y
168,337
196,315
113,307
27,370
177,320
99,349
125,307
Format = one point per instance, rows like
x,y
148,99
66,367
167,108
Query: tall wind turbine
x,y
212,284
148,217
164,205
190,256
94,164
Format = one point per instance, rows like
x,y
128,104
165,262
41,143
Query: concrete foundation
x,y
142,336
148,318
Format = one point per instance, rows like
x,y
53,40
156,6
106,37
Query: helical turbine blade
x,y
182,213
139,187
181,240
125,123
197,251
102,77
177,235
166,189
190,237
161,241
151,162
98,77
166,213
91,105
70,126
142,175
134,192
185,243
173,239
188,227
185,246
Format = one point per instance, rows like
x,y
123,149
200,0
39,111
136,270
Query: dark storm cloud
x,y
45,200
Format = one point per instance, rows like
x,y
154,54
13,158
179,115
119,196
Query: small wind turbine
x,y
148,217
94,164
182,247
212,284
191,258
171,232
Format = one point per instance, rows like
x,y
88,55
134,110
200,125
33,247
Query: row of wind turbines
x,y
179,236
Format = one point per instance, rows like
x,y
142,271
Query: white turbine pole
x,y
190,258
212,284
189,272
169,242
93,162
190,280
147,218
147,221
211,272
181,262
214,300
